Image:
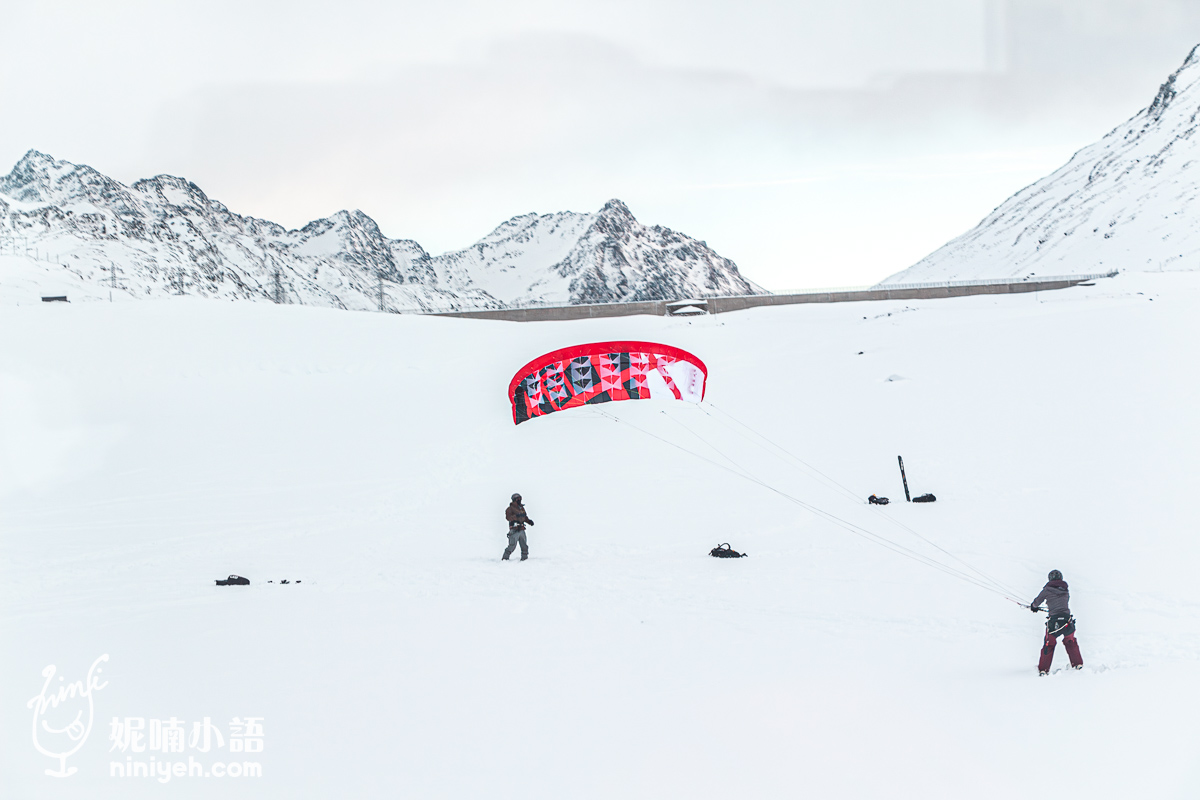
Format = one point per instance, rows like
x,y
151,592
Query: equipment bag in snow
x,y
234,580
725,551
925,498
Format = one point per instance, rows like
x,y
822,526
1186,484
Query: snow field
x,y
148,448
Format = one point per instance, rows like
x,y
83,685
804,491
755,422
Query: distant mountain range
x,y
1127,202
164,236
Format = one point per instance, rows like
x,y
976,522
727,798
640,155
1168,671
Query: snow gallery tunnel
x,y
604,372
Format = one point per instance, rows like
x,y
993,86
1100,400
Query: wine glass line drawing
x,y
57,700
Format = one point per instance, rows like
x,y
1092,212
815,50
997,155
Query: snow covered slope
x,y
1127,202
596,258
148,448
164,236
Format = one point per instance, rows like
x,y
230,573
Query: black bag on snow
x,y
234,580
878,501
925,498
725,551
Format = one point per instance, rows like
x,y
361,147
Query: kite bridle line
x,y
851,527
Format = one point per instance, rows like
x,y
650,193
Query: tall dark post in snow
x,y
903,477
112,279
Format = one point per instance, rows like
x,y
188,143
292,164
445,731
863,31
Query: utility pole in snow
x,y
112,279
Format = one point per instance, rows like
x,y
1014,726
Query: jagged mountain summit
x,y
1127,202
592,258
164,236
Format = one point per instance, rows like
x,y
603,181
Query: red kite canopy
x,y
603,372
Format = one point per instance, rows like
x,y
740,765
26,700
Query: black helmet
x,y
516,498
1054,575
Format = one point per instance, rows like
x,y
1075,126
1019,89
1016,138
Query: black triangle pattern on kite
x,y
584,376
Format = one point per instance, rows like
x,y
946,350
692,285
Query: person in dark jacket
x,y
1061,623
517,520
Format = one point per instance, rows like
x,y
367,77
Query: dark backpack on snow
x,y
725,551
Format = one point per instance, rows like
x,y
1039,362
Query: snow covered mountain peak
x,y
171,190
164,235
615,208
40,178
1127,202
606,256
1167,92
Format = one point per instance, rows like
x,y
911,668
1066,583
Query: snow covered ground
x,y
148,448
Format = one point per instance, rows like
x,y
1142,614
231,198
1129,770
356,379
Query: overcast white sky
x,y
815,143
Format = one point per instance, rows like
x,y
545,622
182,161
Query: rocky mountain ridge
x,y
165,236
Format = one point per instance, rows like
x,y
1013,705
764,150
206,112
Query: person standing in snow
x,y
517,520
1060,623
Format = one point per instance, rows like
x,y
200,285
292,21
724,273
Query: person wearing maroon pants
x,y
1060,623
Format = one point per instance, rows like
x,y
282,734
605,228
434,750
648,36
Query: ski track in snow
x,y
149,448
